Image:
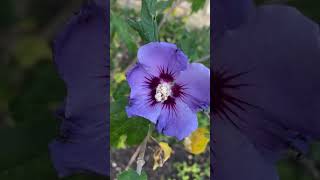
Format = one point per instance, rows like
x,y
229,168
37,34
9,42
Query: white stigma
x,y
163,91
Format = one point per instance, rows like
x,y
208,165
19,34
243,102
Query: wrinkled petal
x,y
230,14
180,121
140,103
157,56
235,157
136,77
196,81
273,68
80,54
82,146
140,106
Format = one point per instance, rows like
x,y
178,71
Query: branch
x,y
133,157
140,160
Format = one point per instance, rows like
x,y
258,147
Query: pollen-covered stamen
x,y
163,91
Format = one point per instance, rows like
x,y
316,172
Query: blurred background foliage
x,y
30,88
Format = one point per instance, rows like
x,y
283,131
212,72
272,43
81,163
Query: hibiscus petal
x,y
80,54
157,56
136,77
229,14
139,105
277,53
280,51
196,81
82,146
180,121
140,102
235,157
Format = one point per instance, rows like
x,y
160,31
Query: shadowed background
x,y
30,89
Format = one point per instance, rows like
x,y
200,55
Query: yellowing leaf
x,y
119,77
161,155
197,142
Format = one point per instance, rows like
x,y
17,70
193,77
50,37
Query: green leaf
x,y
148,9
147,27
197,5
136,25
132,175
133,130
122,30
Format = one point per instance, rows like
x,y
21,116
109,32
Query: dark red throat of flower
x,y
166,79
224,102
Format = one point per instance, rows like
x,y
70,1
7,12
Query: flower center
x,y
163,91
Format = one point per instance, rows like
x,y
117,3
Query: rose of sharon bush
x,y
167,90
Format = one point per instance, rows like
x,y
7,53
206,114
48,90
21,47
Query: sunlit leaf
x,y
197,142
119,77
197,5
132,175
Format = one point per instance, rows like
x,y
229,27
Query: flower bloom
x,y
266,88
80,55
167,90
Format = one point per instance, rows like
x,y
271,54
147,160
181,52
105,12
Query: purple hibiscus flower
x,y
167,90
80,55
266,87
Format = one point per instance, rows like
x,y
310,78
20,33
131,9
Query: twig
x,y
140,160
207,113
203,58
133,157
154,139
173,6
